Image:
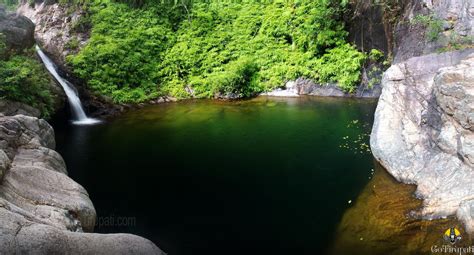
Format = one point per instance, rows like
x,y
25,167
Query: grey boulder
x,y
42,210
423,131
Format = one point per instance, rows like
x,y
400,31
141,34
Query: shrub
x,y
72,44
213,47
24,79
342,64
376,55
238,77
433,24
9,4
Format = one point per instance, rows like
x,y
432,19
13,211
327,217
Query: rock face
x,y
390,26
10,108
371,23
56,28
452,23
17,30
423,131
42,210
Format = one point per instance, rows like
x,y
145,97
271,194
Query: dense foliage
x,y
139,50
24,79
9,4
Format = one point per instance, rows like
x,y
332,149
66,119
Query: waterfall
x,y
79,115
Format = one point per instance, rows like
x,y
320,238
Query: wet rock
x,y
422,131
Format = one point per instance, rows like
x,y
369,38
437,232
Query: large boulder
x,y
423,131
17,30
42,210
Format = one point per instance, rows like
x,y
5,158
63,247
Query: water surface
x,y
268,175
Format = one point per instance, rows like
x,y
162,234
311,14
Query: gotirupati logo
x,y
452,235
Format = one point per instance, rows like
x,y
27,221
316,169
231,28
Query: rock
x,y
44,239
457,23
290,90
422,131
455,93
224,96
390,26
54,28
4,163
307,87
10,108
367,28
17,30
42,210
19,35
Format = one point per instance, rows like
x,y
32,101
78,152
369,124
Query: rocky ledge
x,y
423,131
302,86
41,208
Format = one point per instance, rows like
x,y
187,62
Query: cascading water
x,y
80,117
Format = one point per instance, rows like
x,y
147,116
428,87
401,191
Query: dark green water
x,y
269,175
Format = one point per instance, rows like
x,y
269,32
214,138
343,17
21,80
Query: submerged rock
x,y
383,220
41,208
423,134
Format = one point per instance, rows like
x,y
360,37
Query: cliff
x,y
422,132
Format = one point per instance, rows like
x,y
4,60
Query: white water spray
x,y
80,117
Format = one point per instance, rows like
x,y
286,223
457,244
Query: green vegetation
x,y
9,4
24,79
140,50
433,24
72,44
376,55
